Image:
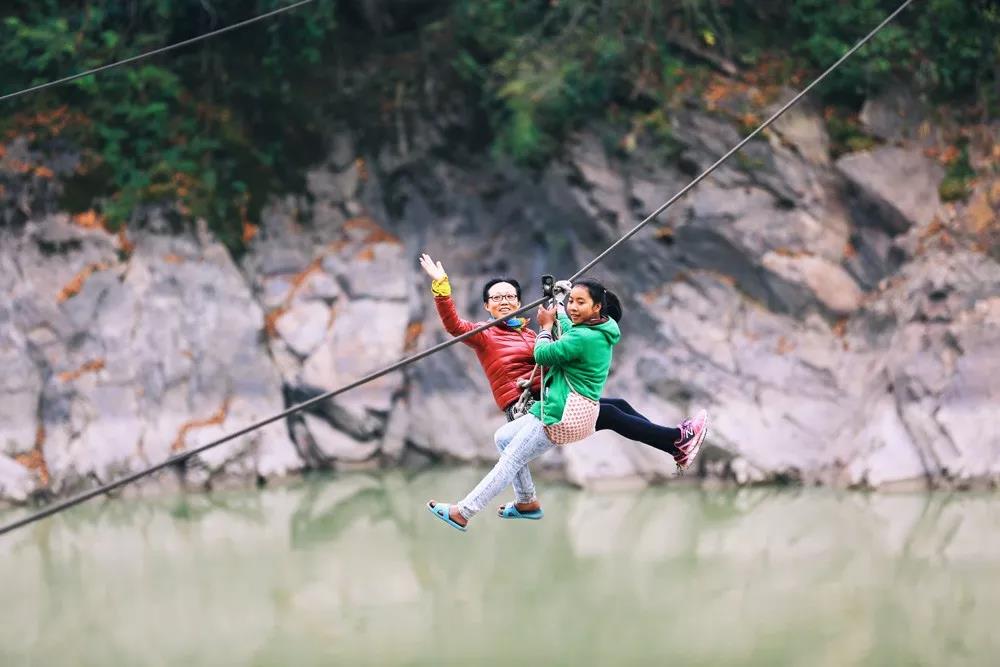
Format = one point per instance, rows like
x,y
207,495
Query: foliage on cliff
x,y
216,127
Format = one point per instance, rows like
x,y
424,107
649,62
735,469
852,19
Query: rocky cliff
x,y
837,319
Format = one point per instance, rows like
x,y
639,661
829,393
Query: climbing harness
x,y
524,402
183,456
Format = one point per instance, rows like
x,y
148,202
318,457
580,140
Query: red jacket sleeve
x,y
454,324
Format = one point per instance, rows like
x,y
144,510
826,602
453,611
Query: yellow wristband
x,y
441,287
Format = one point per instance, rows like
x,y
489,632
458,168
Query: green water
x,y
352,570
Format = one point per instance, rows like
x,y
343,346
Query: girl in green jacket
x,y
578,365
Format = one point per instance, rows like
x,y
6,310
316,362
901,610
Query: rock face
x,y
133,356
821,310
899,186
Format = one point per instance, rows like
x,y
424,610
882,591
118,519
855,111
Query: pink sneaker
x,y
693,432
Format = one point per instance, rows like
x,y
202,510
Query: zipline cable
x,y
162,49
178,458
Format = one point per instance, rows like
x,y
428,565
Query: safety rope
x,y
523,403
178,458
162,49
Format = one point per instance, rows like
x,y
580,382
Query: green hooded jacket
x,y
582,355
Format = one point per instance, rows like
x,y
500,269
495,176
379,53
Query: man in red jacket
x,y
506,353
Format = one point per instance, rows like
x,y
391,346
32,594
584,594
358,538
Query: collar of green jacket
x,y
608,327
593,322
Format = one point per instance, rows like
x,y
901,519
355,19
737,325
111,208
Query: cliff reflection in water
x,y
352,570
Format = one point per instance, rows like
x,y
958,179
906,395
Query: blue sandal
x,y
510,511
440,510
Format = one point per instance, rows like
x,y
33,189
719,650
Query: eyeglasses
x,y
497,298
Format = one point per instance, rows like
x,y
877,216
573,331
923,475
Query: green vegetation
x,y
846,134
212,128
217,127
549,65
957,181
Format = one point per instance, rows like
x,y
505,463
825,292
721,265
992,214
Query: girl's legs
x,y
618,416
622,405
527,442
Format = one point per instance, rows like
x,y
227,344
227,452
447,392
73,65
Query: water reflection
x,y
351,570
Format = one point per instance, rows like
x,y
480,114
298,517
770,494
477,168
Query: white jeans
x,y
519,442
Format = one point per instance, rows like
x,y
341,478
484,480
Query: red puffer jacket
x,y
505,353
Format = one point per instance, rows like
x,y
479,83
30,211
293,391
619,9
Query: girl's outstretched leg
x,y
624,406
636,427
683,442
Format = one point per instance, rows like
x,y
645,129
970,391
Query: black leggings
x,y
618,416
